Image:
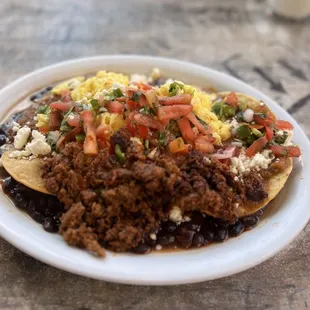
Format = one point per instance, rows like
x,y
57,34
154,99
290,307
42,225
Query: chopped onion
x,y
227,153
248,115
237,143
151,97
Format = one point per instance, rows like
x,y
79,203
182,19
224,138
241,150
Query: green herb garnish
x,y
120,156
174,88
80,137
136,96
218,109
239,117
147,110
95,105
162,139
243,132
44,109
229,111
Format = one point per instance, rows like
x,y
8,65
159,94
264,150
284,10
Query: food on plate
x,y
135,163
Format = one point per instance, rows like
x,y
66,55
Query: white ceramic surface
x,y
288,216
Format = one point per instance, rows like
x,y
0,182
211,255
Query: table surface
x,y
239,37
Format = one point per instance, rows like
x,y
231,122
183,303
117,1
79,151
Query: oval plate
x,y
288,216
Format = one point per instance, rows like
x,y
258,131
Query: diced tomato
x,y
121,99
102,134
284,125
232,99
256,146
66,95
130,124
132,105
148,121
173,112
203,145
143,101
191,116
186,130
115,107
143,86
90,145
44,129
143,131
269,133
62,106
263,121
181,99
74,120
55,120
281,150
100,100
178,146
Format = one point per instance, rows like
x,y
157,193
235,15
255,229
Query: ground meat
x,y
255,187
122,138
118,206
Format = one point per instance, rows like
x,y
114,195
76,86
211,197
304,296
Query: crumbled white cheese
x,y
158,247
261,103
279,133
38,146
153,236
15,127
243,164
74,84
175,215
20,154
248,115
138,78
186,218
206,160
53,136
289,138
136,139
84,100
21,137
169,81
116,85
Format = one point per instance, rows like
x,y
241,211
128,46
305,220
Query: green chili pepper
x,y
218,109
281,139
229,111
243,132
242,104
95,104
120,156
257,132
80,137
174,88
147,144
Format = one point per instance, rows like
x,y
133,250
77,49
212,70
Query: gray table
x,y
238,37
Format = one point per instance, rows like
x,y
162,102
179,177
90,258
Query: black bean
x,y
169,226
222,223
208,234
236,229
50,225
197,218
165,239
2,139
37,216
142,248
250,221
185,237
48,88
221,234
198,240
259,213
190,225
35,97
20,201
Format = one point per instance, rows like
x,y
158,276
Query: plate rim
x,y
13,237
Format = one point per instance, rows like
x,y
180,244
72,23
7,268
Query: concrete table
x,y
238,37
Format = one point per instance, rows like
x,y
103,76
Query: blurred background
x,y
243,38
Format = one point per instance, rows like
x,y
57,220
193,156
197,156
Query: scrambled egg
x,y
102,81
202,106
42,120
114,121
68,85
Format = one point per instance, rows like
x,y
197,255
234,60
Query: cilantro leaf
x,y
174,88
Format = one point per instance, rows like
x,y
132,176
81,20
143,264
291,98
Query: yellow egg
x,y
42,120
68,84
114,121
102,81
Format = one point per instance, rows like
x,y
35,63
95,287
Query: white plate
x,y
289,215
